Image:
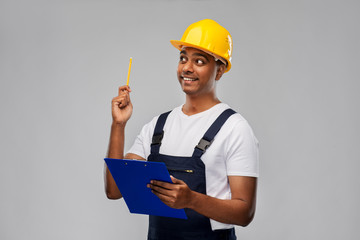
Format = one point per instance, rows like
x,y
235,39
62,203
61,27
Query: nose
x,y
188,67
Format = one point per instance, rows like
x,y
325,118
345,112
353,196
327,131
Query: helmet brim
x,y
180,44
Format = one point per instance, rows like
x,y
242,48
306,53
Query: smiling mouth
x,y
189,79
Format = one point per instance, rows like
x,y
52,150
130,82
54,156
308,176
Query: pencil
x,y
128,77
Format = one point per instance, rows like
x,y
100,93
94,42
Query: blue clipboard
x,y
132,176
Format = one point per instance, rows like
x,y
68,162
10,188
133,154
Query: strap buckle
x,y
203,144
156,139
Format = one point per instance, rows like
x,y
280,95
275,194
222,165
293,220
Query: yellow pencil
x,y
128,77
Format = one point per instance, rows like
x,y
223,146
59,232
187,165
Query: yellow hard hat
x,y
208,36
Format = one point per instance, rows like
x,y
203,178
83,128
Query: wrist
x,y
194,200
118,124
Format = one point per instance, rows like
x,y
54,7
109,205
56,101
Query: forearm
x,y
233,211
239,210
116,142
115,150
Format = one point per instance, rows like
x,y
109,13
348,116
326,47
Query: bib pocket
x,y
180,170
194,178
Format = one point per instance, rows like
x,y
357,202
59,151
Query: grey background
x,y
295,78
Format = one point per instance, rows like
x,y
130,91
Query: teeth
x,y
188,79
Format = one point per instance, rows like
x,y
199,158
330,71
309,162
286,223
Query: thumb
x,y
124,88
175,180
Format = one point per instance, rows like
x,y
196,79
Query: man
x,y
210,151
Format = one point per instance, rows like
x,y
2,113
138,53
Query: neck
x,y
194,105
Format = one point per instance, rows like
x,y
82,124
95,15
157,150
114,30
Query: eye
x,y
200,62
182,59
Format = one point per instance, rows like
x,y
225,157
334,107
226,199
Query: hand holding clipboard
x,y
132,177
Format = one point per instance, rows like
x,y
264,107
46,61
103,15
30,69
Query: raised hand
x,y
121,106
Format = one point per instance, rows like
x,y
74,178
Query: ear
x,y
220,71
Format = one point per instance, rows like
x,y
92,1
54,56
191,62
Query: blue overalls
x,y
192,171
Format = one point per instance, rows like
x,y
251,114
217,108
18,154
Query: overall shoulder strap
x,y
158,133
210,134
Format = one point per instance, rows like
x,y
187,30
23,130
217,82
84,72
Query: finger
x,y
122,100
119,98
162,184
165,199
127,98
161,190
124,93
118,102
124,88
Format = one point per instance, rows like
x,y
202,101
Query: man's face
x,y
197,72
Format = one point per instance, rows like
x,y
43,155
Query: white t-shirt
x,y
234,151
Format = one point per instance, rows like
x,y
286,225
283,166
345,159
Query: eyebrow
x,y
196,54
